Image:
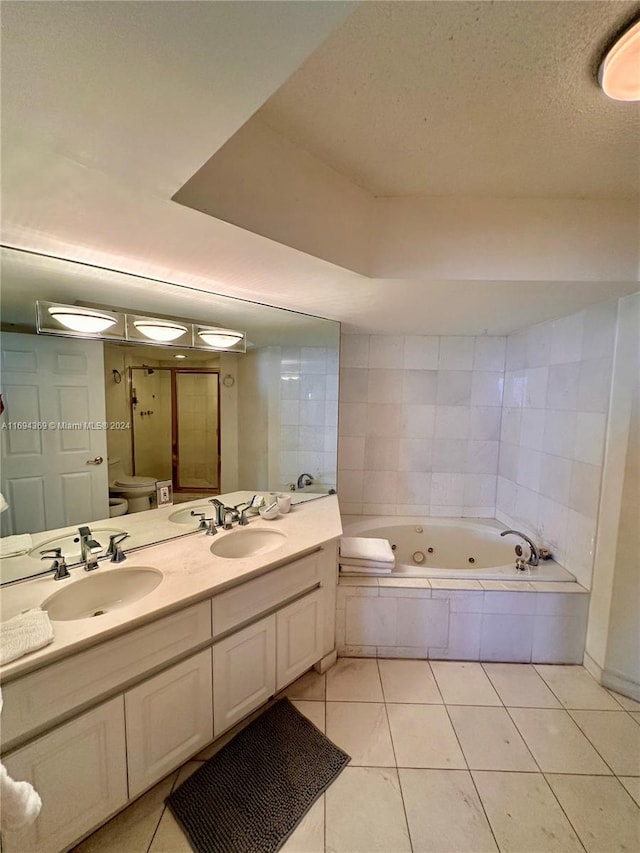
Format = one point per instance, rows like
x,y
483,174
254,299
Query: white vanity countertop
x,y
190,571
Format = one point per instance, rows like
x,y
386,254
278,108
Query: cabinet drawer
x,y
243,602
59,689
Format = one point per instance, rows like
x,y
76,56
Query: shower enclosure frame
x,y
175,456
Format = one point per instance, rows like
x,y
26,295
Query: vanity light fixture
x,y
220,338
160,330
619,74
179,356
81,319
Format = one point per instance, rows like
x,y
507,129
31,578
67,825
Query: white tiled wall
x,y
419,424
308,411
556,400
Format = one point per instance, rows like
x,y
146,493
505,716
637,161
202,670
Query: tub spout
x,y
534,559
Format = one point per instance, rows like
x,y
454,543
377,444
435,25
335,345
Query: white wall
x,y
557,387
613,638
419,424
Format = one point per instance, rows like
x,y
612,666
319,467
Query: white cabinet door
x,y
80,772
299,630
169,717
244,672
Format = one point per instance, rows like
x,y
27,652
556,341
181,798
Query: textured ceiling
x,y
466,98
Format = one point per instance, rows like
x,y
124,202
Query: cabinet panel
x,y
42,696
244,673
299,631
168,718
79,770
243,602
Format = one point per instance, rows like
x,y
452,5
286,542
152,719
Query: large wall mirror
x,y
209,422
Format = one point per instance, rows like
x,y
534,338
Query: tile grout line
x,y
395,757
473,781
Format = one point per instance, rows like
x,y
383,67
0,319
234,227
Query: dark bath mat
x,y
252,794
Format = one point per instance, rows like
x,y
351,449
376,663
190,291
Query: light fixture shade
x,y
82,320
160,330
220,338
619,73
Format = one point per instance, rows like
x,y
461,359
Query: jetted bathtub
x,y
451,548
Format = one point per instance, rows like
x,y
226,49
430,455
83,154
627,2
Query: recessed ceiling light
x,y
619,74
159,330
82,319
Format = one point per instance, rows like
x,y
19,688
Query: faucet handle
x,y
202,524
114,549
59,567
51,552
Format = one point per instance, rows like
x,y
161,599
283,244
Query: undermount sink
x,y
98,594
248,543
183,516
70,544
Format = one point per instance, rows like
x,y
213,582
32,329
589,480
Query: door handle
x,y
97,461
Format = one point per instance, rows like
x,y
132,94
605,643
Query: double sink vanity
x,y
155,657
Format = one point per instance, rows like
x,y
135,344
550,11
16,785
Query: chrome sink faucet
x,y
534,559
304,480
88,548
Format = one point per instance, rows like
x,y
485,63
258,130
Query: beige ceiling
x,y
109,107
466,98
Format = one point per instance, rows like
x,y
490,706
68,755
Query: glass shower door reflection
x,y
197,426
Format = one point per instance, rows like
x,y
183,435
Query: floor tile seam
x,y
484,664
562,807
500,702
566,706
535,666
584,733
522,738
615,699
553,794
395,758
164,804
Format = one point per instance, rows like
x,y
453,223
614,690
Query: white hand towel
x,y
364,570
21,804
365,564
3,504
365,548
12,546
25,633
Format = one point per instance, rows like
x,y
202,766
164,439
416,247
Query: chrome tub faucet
x,y
534,557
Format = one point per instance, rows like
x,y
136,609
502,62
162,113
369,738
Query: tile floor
x,y
448,757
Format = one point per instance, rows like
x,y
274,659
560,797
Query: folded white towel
x,y
25,633
366,548
21,804
365,564
12,546
364,570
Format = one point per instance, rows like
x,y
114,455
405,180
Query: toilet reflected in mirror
x,y
138,492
